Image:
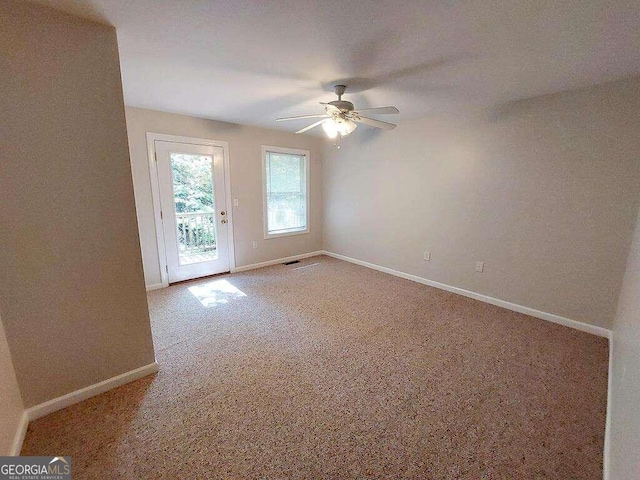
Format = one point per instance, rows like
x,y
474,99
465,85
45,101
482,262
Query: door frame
x,y
155,195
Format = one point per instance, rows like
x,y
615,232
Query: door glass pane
x,y
195,209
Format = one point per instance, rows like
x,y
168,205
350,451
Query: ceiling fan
x,y
340,117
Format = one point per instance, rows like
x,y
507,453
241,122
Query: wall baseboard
x,y
567,322
21,431
77,396
155,286
278,260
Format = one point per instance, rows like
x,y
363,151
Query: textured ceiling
x,y
252,61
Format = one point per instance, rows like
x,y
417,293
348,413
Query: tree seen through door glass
x,y
194,205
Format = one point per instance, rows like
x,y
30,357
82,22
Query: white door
x,y
194,209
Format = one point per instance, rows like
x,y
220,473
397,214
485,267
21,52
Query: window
x,y
286,200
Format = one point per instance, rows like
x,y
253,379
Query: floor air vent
x,y
291,263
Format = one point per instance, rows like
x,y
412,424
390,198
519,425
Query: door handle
x,y
223,221
223,213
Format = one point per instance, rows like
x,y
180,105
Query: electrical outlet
x,y
235,202
426,256
255,244
479,267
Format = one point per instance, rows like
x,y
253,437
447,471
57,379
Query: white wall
x,y
544,191
624,410
11,409
72,291
245,159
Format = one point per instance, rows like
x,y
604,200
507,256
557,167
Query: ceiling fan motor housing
x,y
342,105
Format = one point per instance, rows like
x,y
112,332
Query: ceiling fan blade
x,y
373,123
312,125
320,115
379,110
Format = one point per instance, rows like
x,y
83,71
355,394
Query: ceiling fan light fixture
x,y
330,127
339,126
346,127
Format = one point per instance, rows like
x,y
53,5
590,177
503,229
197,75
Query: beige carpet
x,y
337,371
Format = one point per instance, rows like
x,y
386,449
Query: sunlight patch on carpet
x,y
215,293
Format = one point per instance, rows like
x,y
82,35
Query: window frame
x,y
265,217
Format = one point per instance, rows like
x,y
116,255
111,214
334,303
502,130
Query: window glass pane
x,y
286,192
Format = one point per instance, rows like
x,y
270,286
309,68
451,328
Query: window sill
x,y
268,236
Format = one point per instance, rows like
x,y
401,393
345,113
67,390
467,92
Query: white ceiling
x,y
250,62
